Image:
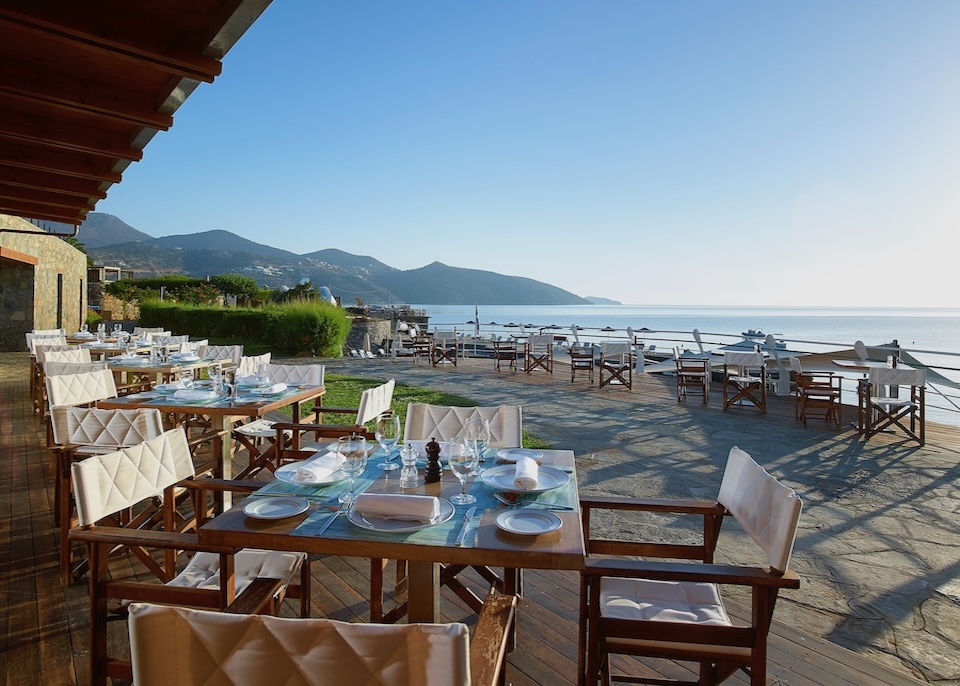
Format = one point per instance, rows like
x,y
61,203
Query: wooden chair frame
x,y
505,351
445,348
582,360
877,413
740,387
616,364
538,354
817,392
693,375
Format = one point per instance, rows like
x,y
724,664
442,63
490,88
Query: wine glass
x,y
387,433
462,459
477,434
186,378
353,450
261,375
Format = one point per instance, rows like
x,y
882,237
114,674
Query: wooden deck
x,y
44,626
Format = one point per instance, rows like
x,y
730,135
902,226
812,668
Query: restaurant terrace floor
x,y
878,550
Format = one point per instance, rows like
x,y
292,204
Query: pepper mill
x,y
432,473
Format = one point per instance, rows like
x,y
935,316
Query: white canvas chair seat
x,y
203,569
200,647
232,353
881,407
632,606
663,601
616,364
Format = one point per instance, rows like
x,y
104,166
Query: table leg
x,y
423,599
226,456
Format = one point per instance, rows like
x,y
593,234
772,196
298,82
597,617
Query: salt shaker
x,y
409,478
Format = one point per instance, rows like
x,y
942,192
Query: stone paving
x,y
879,544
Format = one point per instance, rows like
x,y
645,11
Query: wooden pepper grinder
x,y
432,473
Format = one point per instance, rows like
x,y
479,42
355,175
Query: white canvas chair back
x,y
375,401
766,509
74,355
168,341
309,374
112,428
611,349
248,364
221,352
444,422
106,484
34,340
40,351
153,335
192,346
80,389
259,649
896,376
540,343
143,331
59,368
744,360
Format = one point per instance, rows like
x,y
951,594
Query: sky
x,y
688,152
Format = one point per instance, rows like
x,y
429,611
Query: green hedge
x,y
291,329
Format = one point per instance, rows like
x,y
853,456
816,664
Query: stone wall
x,y
379,330
33,297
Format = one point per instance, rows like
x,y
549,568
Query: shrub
x,y
301,326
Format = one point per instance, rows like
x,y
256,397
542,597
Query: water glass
x,y
261,375
186,377
353,450
387,434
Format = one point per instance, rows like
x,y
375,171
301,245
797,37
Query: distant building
x,y
43,283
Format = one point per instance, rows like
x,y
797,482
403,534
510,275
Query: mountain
x,y
597,300
351,277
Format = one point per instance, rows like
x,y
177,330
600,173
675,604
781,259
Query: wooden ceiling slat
x,y
124,36
26,209
50,199
56,133
31,157
34,179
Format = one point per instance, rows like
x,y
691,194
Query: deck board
x,y
44,626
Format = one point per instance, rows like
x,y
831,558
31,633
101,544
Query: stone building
x,y
43,283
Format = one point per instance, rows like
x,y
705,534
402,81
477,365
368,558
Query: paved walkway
x,y
879,545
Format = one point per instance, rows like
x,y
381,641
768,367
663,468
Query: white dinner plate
x,y
275,507
514,454
501,478
185,358
400,526
288,473
528,522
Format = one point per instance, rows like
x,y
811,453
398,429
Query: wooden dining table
x,y
485,543
222,411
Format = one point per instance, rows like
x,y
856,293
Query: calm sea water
x,y
917,328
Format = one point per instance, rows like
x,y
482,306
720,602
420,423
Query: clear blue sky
x,y
671,152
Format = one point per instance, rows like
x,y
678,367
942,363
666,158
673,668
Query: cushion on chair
x,y
765,508
259,428
665,601
174,645
203,569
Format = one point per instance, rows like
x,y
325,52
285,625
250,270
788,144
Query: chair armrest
x,y
221,485
145,538
679,506
256,596
699,573
323,409
488,645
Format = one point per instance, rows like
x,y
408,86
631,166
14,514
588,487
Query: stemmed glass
x,y
261,375
186,378
476,432
387,434
353,450
462,460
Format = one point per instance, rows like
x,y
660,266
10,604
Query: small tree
x,y
243,288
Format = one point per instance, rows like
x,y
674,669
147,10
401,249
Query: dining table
x,y
542,531
223,411
142,369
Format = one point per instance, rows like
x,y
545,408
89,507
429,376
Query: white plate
x,y
501,478
275,507
185,358
514,454
401,525
528,522
288,473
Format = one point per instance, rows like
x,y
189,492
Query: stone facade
x,y
43,283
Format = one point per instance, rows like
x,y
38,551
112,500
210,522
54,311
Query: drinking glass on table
x,y
462,460
387,434
353,450
186,378
477,434
261,375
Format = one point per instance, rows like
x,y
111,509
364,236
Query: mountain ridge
x,y
112,242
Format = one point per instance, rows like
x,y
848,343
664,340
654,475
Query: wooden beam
x,y
17,256
55,133
59,162
24,209
42,180
127,36
49,198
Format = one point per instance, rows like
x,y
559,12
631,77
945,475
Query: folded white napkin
x,y
185,357
418,508
275,388
526,474
194,395
319,467
127,357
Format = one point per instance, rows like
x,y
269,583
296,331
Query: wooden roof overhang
x,y
84,86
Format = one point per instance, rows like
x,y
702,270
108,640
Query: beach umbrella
x,y
576,337
696,337
608,329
